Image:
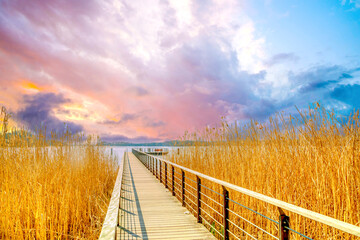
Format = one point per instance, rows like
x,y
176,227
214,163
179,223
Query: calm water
x,y
119,151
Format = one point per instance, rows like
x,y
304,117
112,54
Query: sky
x,y
149,70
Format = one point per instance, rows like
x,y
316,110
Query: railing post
x,y
198,189
153,165
226,213
166,173
160,171
183,187
157,175
150,164
173,180
284,221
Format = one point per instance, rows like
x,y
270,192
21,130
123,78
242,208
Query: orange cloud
x,y
28,86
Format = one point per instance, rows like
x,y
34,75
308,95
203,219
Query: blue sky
x,y
149,70
318,32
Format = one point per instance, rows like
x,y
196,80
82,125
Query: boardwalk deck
x,y
149,211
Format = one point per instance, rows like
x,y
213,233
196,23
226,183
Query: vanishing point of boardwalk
x,y
148,211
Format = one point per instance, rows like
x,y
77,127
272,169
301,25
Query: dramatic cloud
x,y
38,113
150,70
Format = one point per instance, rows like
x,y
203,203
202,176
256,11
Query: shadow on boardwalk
x,y
149,211
131,218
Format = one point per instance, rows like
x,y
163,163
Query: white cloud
x,y
354,3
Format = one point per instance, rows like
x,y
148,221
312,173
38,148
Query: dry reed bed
x,y
57,192
312,161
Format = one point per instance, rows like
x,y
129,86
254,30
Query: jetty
x,y
156,199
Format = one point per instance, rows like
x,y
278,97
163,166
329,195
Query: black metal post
x,y
183,187
157,175
153,165
160,171
284,221
198,189
173,180
166,173
226,213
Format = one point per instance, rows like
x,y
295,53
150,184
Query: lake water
x,y
119,151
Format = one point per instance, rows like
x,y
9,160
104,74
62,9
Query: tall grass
x,y
312,161
52,188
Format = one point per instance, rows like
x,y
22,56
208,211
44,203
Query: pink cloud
x,y
173,65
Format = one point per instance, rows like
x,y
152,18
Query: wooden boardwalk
x,y
149,211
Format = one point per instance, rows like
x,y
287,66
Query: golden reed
x,y
57,188
312,161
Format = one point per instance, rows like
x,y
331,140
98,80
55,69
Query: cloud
x,y
38,113
165,60
281,58
126,117
348,94
147,70
155,124
261,109
353,3
321,77
139,91
122,138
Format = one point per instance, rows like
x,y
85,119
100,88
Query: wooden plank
x,y
149,211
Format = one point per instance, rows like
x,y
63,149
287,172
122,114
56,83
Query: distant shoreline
x,y
152,144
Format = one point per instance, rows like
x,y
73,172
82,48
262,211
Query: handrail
x,y
332,222
108,231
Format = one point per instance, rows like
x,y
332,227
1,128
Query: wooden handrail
x,y
332,222
108,231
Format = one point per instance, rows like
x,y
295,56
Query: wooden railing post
x,y
226,213
198,189
284,221
166,173
160,171
173,180
183,187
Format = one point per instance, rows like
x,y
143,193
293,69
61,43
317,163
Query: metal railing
x,y
212,207
108,230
